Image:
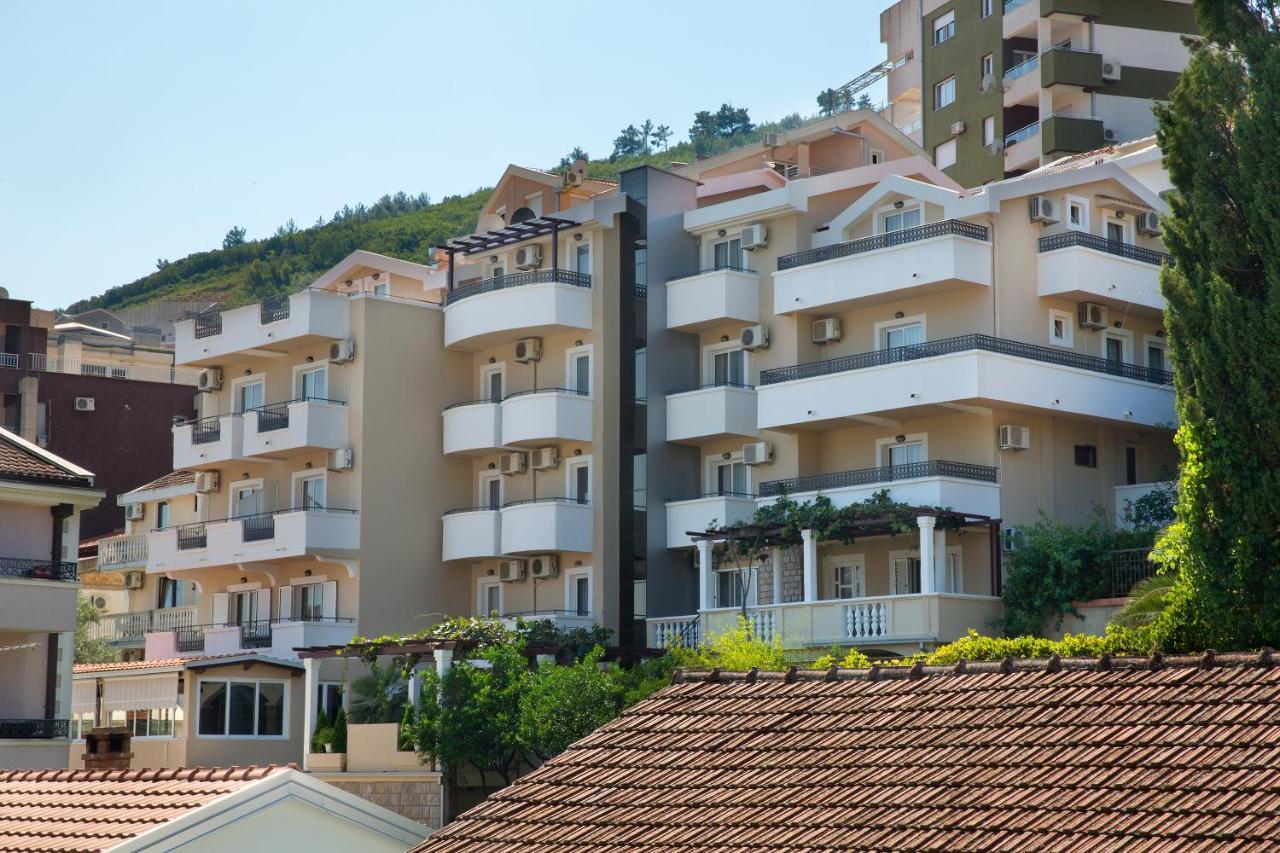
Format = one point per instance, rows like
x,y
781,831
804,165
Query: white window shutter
x,y
859,581
263,611
220,601
329,605
285,603
901,576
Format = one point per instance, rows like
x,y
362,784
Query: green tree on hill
x,y
1220,133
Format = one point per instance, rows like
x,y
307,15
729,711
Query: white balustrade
x,y
867,621
678,630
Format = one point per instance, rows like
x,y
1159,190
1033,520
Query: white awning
x,y
140,692
84,695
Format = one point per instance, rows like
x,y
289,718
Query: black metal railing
x,y
192,536
208,325
884,241
1127,567
963,343
641,291
487,402
189,639
884,474
22,567
275,416
1102,244
255,635
18,729
519,279
256,528
716,268
273,311
204,430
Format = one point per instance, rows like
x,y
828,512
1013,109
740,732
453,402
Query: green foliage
x,y
1154,510
378,697
1219,136
235,237
1056,564
1147,600
974,646
561,704
338,734
87,649
853,659
779,524
321,736
736,648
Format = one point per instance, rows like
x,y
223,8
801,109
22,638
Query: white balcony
x,y
1020,17
961,486
308,317
714,411
971,368
561,619
269,537
473,428
132,628
299,426
277,639
555,414
930,258
545,525
714,296
1088,267
701,513
122,552
472,534
878,621
208,441
1022,84
535,303
1022,148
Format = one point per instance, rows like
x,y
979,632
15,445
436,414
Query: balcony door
x,y
906,575
902,335
246,500
313,384
249,395
900,220
727,254
578,480
493,382
725,365
578,370
309,492
729,476
490,491
735,588
847,576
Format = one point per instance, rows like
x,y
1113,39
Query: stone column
x,y
775,555
810,550
928,564
706,575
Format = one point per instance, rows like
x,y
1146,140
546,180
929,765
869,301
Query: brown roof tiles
x,y
173,478
19,461
90,810
1133,754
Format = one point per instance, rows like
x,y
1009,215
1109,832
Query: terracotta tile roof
x,y
99,809
201,662
20,461
173,478
114,666
1127,754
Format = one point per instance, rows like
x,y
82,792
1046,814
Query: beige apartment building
x,y
41,498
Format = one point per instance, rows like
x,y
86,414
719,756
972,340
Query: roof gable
x,y
26,462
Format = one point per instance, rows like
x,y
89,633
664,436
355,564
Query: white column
x,y
928,564
940,561
810,546
706,575
444,661
776,556
309,708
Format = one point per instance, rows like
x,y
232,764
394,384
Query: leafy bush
x,y
737,648
338,734
561,704
975,646
321,736
853,659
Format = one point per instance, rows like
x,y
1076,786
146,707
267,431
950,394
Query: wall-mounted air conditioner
x,y
134,511
85,404
210,379
957,128
512,463
529,257
528,350
1044,210
208,481
825,331
1093,315
544,566
755,337
1014,437
757,453
133,580
1110,69
343,351
754,237
342,459
510,571
545,457
1149,223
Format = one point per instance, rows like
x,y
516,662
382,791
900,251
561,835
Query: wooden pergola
x,y
509,235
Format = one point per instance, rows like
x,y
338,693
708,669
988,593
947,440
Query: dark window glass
x,y
242,701
1130,465
270,709
213,708
1086,456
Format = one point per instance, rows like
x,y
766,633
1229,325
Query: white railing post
x,y
928,567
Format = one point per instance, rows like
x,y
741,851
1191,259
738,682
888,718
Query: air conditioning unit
x,y
528,350
957,128
511,463
210,379
133,580
134,512
769,140
510,571
1110,69
1093,316
545,457
544,566
1010,539
529,257
342,459
1043,209
85,404
755,337
342,351
757,453
208,481
1014,437
1109,134
755,237
825,331
577,174
1149,223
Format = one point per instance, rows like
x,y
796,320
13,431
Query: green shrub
x,y
974,646
322,735
338,734
738,649
853,659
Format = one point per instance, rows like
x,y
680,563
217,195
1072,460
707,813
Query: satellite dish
x,y
4,293
523,214
489,222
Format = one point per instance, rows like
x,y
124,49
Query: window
x,y
848,577
534,203
491,491
1086,455
906,453
987,66
241,708
313,383
582,258
578,480
1060,329
162,515
490,598
955,571
249,396
944,93
381,289
731,588
1130,465
986,7
308,603
906,575
729,367
246,500
577,592
1117,230
1117,347
172,593
498,271
328,700
727,254
877,156
642,374
1077,213
579,370
310,492
729,477
900,220
901,335
1115,350
156,722
944,154
1155,356
492,378
944,27
988,130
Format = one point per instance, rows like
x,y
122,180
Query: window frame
x,y
884,326
709,353
295,487
986,65
943,86
570,375
832,563
487,371
944,24
1150,342
1083,204
571,466
883,446
712,464
988,123
482,489
912,557
571,578
1126,227
986,8
728,240
226,713
482,586
880,222
239,383
1090,455
1068,325
1126,343
750,587
301,370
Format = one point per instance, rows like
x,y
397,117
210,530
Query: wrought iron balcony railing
x,y
519,279
18,729
884,474
1102,244
22,567
946,227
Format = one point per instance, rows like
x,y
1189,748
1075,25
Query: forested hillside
x,y
405,226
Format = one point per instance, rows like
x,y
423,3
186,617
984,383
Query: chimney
x,y
108,748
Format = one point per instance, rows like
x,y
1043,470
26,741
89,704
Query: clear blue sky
x,y
131,131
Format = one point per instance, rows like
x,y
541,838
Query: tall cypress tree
x,y
1220,134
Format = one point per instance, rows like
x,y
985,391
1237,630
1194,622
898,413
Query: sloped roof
x,y
173,478
25,462
99,809
200,662
1125,754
